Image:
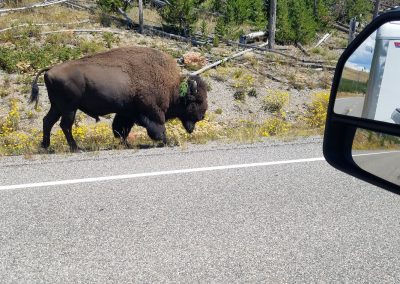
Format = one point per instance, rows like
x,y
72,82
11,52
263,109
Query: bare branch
x,y
208,67
38,5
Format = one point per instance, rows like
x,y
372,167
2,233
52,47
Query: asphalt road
x,y
352,106
289,218
384,165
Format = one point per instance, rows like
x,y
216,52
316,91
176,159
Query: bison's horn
x,y
194,86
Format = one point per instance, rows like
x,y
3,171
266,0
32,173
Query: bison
x,y
140,85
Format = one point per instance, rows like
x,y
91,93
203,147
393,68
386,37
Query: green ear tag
x,y
183,89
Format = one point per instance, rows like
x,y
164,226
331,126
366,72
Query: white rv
x,y
383,89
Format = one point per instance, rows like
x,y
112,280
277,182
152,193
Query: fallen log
x,y
302,49
129,21
340,28
38,5
252,36
193,41
324,38
84,31
208,67
269,76
260,48
304,64
80,6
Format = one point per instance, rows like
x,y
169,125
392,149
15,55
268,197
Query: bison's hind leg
x,y
67,120
48,122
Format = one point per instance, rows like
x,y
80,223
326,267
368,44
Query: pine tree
x,y
358,8
217,6
284,31
302,21
323,16
111,5
181,15
258,13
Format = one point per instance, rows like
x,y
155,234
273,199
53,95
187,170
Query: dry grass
x,y
370,140
51,14
355,75
151,16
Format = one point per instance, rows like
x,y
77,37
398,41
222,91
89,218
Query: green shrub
x,y
28,57
90,47
275,126
4,93
218,111
60,39
110,38
239,96
275,101
11,121
316,110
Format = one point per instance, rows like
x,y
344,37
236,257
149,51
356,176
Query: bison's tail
x,y
35,88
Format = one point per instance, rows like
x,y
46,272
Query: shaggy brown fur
x,y
140,85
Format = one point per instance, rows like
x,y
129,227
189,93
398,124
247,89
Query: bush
x,y
316,110
27,57
19,143
218,111
111,5
239,96
275,101
243,82
110,38
11,122
275,126
90,47
4,93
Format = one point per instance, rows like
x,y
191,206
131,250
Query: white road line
x,y
173,172
378,153
161,173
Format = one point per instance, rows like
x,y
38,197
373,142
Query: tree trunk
x,y
272,24
315,8
377,6
141,16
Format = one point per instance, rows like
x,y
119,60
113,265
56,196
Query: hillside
x,y
260,94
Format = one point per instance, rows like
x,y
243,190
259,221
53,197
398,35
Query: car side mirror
x,y
362,134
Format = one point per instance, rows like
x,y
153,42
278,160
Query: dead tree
x,y
377,6
272,24
141,16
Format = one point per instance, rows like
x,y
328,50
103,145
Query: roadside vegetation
x,y
259,95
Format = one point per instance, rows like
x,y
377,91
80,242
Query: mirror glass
x,y
378,154
369,87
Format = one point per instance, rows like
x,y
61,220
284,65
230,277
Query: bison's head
x,y
194,103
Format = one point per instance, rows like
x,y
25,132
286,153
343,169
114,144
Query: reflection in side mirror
x,y
378,154
369,86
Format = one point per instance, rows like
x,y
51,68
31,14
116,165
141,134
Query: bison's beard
x,y
189,125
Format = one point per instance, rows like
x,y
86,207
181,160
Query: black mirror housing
x,y
340,129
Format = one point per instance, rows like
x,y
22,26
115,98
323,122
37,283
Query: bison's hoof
x,y
45,145
76,150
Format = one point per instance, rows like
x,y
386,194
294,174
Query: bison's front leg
x,y
155,130
121,127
